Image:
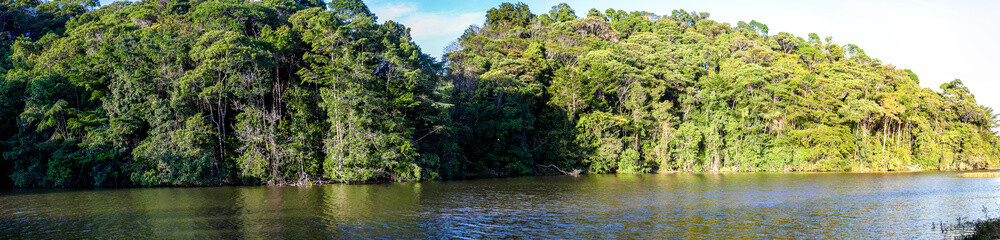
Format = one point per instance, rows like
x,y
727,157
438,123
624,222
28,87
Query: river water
x,y
705,206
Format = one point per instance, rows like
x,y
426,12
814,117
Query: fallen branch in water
x,y
575,172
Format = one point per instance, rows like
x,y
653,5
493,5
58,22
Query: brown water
x,y
710,206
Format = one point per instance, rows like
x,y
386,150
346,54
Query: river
x,y
707,206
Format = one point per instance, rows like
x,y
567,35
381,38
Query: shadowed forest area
x,y
190,93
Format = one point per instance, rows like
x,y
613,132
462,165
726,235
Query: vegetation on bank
x,y
980,174
978,229
180,92
984,230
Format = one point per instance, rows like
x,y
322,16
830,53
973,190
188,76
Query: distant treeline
x,y
189,92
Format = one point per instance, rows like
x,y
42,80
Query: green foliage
x,y
350,8
508,14
283,91
637,92
562,13
214,92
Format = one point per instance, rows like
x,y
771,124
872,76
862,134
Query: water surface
x,y
709,206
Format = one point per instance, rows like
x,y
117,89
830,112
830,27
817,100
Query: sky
x,y
938,40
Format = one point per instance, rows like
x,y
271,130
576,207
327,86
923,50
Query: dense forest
x,y
192,92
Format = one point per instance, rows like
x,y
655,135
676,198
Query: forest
x,y
235,92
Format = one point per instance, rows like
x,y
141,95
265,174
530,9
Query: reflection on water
x,y
758,205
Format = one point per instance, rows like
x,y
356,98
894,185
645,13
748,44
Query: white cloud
x,y
439,24
432,29
425,23
393,10
939,40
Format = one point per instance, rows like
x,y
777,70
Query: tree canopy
x,y
208,92
634,92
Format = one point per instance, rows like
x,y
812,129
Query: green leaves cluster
x,y
205,92
213,92
633,92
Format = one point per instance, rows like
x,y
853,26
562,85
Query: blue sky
x,y
938,40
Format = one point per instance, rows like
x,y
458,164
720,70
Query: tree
x,y
508,14
562,13
197,93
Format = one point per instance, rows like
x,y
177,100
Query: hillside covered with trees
x,y
178,92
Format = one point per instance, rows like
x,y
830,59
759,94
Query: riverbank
x,y
985,229
981,173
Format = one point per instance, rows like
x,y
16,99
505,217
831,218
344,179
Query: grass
x,y
979,174
985,229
